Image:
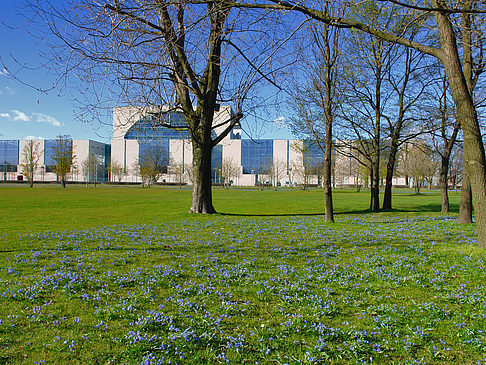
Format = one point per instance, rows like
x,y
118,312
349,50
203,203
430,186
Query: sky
x,y
27,113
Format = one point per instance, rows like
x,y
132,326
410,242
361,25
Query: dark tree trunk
x,y
444,182
375,156
375,190
63,183
390,167
329,210
465,207
202,200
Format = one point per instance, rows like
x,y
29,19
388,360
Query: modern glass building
x,y
141,134
12,151
137,131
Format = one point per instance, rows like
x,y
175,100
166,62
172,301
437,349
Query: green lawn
x,y
123,275
48,207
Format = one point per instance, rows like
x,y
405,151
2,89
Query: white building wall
x,y
39,144
131,160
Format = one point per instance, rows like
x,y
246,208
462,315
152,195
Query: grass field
x,y
126,276
48,207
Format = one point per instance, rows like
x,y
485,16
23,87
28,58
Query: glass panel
x,y
149,127
216,162
313,156
9,155
256,155
155,152
49,153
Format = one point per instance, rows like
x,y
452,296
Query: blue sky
x,y
26,113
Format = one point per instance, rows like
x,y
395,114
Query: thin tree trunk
x,y
465,207
374,190
390,167
202,201
329,210
444,182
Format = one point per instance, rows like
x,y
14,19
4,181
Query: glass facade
x,y
216,163
256,155
9,155
154,150
107,161
313,156
147,128
155,139
144,129
50,152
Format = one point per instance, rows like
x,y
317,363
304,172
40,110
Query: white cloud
x,y
4,72
17,115
44,118
10,91
280,122
33,137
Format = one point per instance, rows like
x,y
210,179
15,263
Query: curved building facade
x,y
138,132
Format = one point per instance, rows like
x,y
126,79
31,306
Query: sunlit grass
x,y
48,207
257,285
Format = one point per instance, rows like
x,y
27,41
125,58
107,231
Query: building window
x,y
9,155
216,163
50,146
256,155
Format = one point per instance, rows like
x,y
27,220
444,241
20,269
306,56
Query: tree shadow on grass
x,y
290,214
269,214
425,208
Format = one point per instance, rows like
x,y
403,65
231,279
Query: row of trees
x,y
191,56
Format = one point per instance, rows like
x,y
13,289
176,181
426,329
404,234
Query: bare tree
x,y
30,155
88,168
403,123
315,100
116,170
455,167
447,52
165,56
366,67
445,137
276,170
177,169
153,161
229,170
63,157
420,165
303,169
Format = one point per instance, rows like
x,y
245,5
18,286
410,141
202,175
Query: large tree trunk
x,y
465,207
466,113
202,200
444,182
